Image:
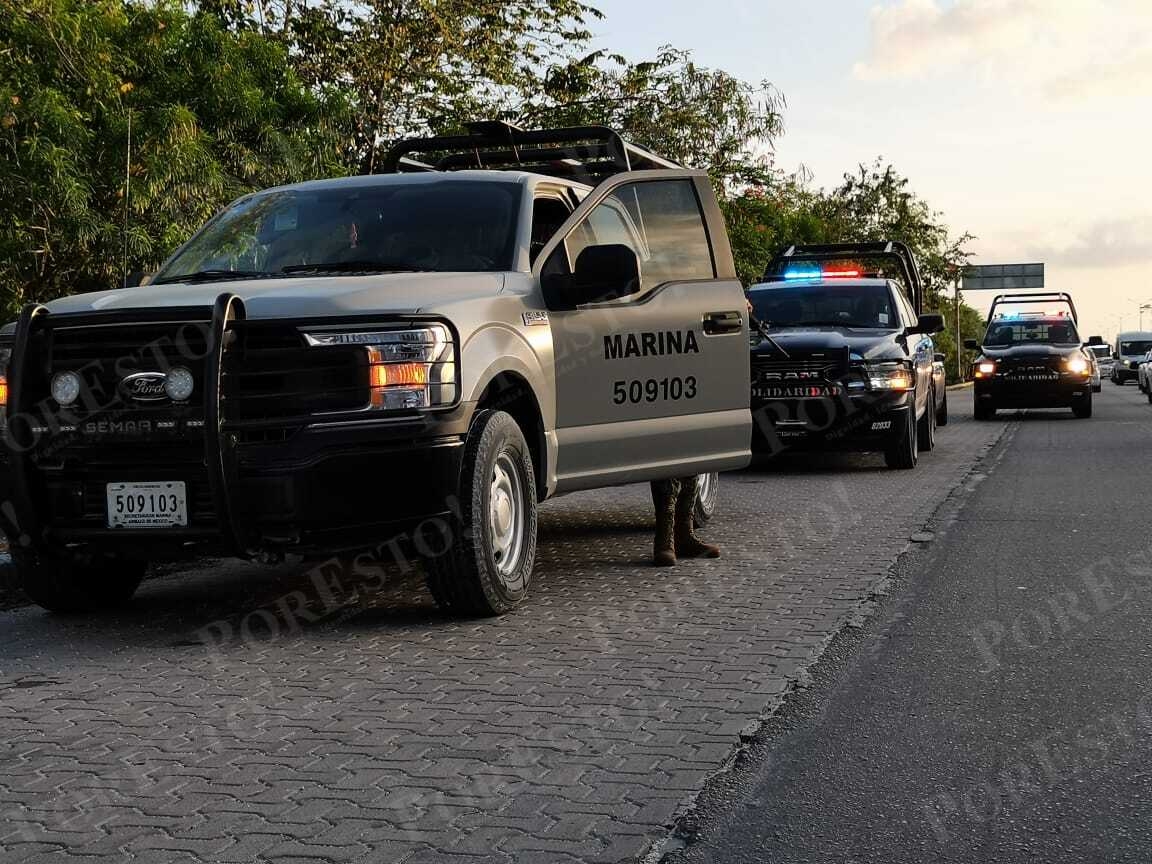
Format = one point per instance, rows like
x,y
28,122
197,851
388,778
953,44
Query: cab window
x,y
659,220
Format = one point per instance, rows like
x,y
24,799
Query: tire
x,y
1149,392
942,411
490,545
707,499
1082,407
926,434
905,451
70,586
982,411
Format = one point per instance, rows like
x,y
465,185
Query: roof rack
x,y
591,152
890,250
1041,297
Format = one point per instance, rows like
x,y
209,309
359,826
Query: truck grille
x,y
797,369
274,376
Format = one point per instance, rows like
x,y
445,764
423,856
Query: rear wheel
x,y
1082,407
707,498
69,585
983,411
942,411
490,546
926,434
904,451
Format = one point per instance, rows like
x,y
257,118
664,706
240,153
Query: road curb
x,y
963,386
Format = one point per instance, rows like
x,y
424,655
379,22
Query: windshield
x,y
451,225
819,303
1131,349
1101,351
1050,331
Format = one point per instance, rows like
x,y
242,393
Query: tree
x,y
414,66
212,114
699,117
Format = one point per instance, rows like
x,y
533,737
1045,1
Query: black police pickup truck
x,y
1031,359
844,359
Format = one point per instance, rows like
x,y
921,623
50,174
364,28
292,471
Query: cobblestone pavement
x,y
216,722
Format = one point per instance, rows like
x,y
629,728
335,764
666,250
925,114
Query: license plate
x,y
147,505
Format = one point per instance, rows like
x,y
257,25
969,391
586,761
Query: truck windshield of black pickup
x,y
823,304
447,226
1010,331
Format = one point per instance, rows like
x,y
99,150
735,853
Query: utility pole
x,y
1143,306
127,200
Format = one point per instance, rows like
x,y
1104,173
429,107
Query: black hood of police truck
x,y
1037,351
861,342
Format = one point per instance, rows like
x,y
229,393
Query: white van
x,y
1127,352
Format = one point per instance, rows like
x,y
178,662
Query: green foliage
x,y
699,117
412,66
213,114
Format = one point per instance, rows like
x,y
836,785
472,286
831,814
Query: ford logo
x,y
144,386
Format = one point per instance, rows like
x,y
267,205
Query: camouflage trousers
x,y
676,488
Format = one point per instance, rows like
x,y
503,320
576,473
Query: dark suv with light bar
x,y
1031,358
408,360
842,359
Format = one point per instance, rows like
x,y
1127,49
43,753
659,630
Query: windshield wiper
x,y
360,266
213,275
835,324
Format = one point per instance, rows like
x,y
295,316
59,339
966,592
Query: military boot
x,y
687,544
663,550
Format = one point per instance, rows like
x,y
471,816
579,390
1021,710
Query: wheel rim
x,y
506,516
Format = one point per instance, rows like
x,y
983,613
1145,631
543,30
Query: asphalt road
x,y
998,708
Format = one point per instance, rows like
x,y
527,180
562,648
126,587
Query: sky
x,y
1027,123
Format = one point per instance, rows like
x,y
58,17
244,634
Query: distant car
x,y
1031,359
940,389
1093,370
1104,361
1144,373
1127,352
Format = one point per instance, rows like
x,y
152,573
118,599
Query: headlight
x,y
179,383
5,356
410,367
985,369
889,376
1077,365
65,388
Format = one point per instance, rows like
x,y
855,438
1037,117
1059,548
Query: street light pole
x,y
959,344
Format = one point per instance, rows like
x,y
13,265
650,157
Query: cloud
x,y
1064,49
1103,244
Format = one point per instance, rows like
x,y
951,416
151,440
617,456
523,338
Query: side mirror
x,y
939,358
930,323
971,344
605,272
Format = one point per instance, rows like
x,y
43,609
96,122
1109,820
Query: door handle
x,y
722,322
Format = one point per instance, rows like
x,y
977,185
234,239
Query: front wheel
x,y
490,544
1082,407
72,586
904,452
707,498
